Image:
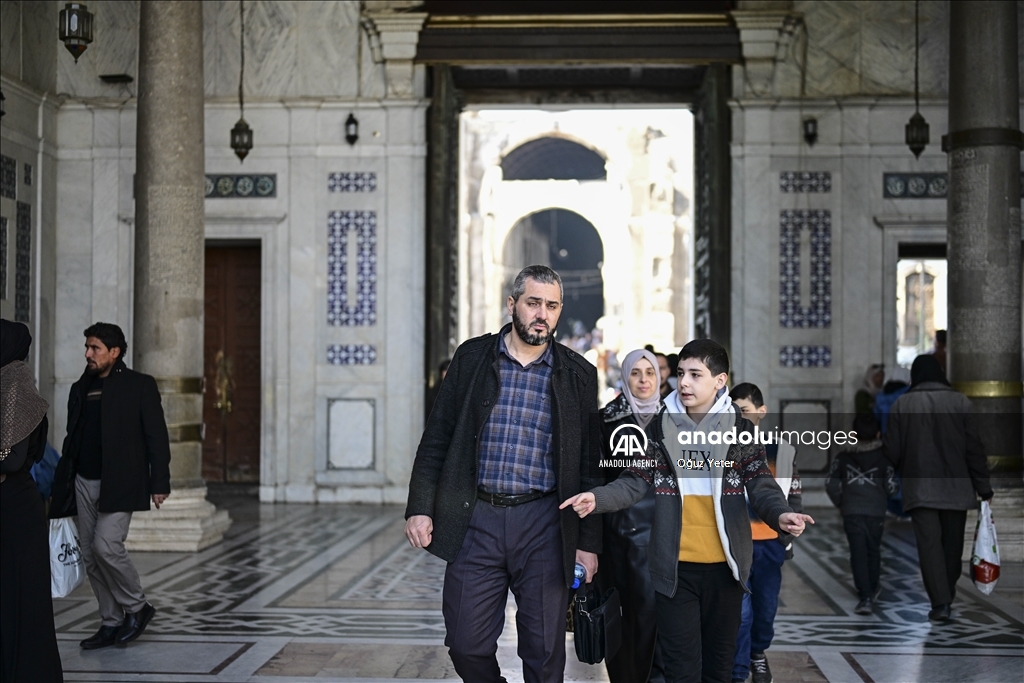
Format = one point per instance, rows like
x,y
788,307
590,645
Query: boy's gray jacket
x,y
749,472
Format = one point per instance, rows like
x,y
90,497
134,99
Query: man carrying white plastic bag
x,y
985,558
67,569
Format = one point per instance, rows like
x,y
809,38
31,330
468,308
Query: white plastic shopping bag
x,y
985,558
67,569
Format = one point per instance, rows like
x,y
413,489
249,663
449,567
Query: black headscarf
x,y
926,368
15,341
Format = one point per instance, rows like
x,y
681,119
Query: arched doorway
x,y
568,243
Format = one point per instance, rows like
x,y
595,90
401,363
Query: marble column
x,y
984,241
169,251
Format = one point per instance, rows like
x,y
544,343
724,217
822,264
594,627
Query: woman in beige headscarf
x,y
627,532
28,643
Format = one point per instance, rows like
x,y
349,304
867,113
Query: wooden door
x,y
231,346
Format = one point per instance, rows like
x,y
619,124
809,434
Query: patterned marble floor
x,y
334,593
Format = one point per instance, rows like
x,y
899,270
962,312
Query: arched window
x,y
553,159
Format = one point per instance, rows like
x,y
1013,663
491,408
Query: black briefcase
x,y
597,623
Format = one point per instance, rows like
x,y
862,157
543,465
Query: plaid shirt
x,y
515,445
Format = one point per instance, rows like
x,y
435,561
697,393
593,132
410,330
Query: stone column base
x,y
1008,515
186,522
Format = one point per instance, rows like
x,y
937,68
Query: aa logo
x,y
628,441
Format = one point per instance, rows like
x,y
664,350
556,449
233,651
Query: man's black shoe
x,y
103,638
134,624
760,672
939,613
864,606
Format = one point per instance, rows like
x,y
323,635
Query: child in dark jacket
x,y
860,483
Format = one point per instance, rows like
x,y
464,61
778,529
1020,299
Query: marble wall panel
x,y
327,58
38,45
866,48
10,38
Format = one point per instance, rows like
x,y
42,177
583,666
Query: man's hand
x,y
589,562
793,522
582,504
419,529
159,498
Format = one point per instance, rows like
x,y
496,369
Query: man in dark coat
x,y
934,445
116,459
510,436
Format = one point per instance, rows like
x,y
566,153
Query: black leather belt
x,y
505,500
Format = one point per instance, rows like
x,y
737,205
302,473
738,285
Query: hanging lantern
x,y
75,28
917,136
241,134
241,139
351,129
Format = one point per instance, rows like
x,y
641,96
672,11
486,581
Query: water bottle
x,y
581,575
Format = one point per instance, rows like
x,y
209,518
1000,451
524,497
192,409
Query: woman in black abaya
x,y
28,642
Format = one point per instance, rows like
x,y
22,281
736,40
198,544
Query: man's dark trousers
x,y
940,544
697,626
757,621
517,547
864,534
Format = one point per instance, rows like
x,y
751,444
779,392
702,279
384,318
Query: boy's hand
x,y
793,522
582,503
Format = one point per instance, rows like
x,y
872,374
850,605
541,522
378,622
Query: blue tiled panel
x,y
342,307
805,356
914,185
818,311
805,181
351,354
8,177
352,182
241,186
23,263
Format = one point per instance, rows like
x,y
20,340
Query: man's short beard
x,y
92,371
524,332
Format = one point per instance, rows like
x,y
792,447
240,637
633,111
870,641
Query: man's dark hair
x,y
649,347
709,352
747,391
940,337
110,334
673,362
867,427
541,274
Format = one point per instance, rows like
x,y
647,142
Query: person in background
x,y
940,348
28,641
442,369
116,459
665,388
897,384
859,483
757,613
627,533
934,445
864,399
673,368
